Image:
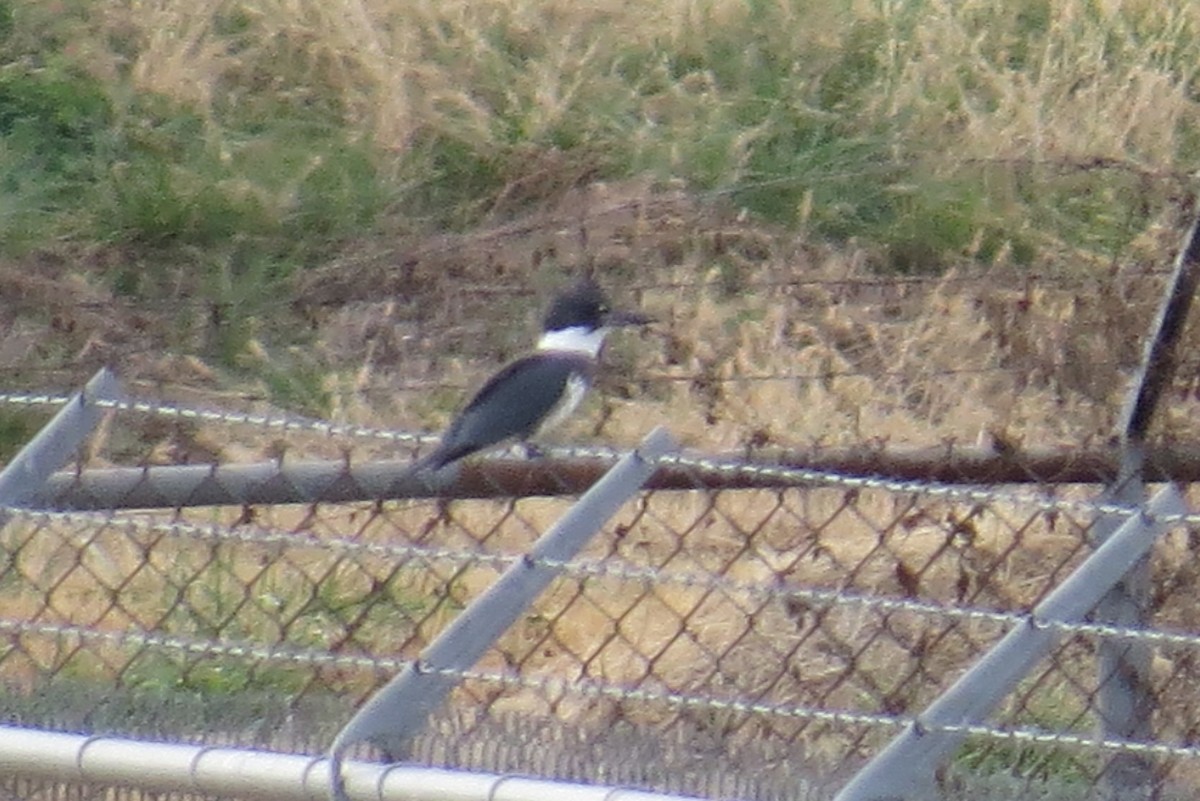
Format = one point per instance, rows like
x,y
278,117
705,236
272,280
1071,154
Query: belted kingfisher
x,y
538,391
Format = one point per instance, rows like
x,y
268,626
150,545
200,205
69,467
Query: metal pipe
x,y
75,759
178,486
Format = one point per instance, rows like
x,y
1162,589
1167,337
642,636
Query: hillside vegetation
x,y
877,222
322,203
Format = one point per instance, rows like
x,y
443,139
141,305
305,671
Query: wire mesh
x,y
757,627
760,642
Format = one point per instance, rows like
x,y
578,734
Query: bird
x,y
538,391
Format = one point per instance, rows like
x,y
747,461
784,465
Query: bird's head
x,y
580,317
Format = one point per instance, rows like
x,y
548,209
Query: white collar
x,y
576,339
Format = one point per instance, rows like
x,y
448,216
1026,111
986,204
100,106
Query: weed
x,y
1050,707
48,143
16,429
161,674
300,387
1039,763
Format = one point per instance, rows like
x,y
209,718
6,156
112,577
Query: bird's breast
x,y
573,391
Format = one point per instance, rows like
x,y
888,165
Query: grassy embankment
x,y
186,185
220,195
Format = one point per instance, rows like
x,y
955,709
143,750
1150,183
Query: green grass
x,y
17,427
791,95
147,707
222,151
1050,707
1028,762
164,675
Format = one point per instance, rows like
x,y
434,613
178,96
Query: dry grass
x,y
1030,80
583,117
763,339
544,94
1085,81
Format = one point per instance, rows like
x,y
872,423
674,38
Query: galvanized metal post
x,y
397,712
58,440
1125,699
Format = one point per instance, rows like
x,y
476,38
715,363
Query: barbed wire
x,y
805,477
33,399
507,679
740,468
269,421
797,476
562,220
653,377
1008,281
720,699
554,686
608,568
254,535
665,198
1043,737
274,421
645,378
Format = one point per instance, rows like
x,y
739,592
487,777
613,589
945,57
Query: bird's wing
x,y
511,405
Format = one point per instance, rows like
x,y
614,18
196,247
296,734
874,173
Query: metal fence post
x,y
1125,698
904,770
54,445
398,711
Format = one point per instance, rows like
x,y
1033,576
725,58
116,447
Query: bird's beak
x,y
620,317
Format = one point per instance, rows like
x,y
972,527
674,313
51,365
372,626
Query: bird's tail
x,y
431,462
446,454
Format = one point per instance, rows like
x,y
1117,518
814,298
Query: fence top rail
x,y
956,474
951,462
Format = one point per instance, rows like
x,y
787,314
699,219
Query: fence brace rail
x,y
263,776
399,710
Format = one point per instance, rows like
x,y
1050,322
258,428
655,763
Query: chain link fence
x,y
759,643
756,623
